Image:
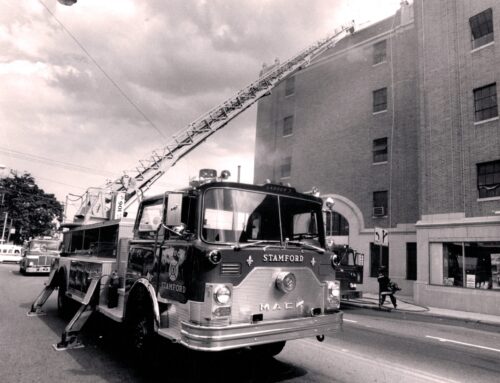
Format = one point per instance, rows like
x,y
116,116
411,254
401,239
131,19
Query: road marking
x,y
462,343
350,320
404,370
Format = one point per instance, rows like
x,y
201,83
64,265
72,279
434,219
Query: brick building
x,y
399,124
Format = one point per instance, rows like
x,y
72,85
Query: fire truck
x,y
38,253
347,261
348,271
218,265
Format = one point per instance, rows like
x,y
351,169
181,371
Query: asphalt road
x,y
374,347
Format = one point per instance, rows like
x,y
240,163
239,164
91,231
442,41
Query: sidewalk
x,y
405,304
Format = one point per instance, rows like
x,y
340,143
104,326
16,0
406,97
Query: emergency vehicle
x,y
38,255
348,270
348,262
216,266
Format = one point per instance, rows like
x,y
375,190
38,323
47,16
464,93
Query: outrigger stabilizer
x,y
50,285
69,337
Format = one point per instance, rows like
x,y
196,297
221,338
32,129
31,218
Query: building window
x,y
380,150
485,102
473,265
411,261
379,256
488,179
290,86
379,100
380,203
288,126
286,167
379,52
481,26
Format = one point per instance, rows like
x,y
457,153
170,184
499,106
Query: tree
x,y
32,211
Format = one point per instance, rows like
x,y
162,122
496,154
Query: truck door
x,y
176,252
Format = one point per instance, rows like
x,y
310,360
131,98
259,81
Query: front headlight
x,y
352,285
222,295
31,264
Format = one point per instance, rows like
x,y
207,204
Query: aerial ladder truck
x,y
218,265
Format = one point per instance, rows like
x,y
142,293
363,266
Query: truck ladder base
x,y
36,307
69,338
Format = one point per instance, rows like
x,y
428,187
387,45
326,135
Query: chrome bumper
x,y
206,338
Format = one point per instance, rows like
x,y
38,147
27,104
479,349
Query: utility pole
x,y
4,225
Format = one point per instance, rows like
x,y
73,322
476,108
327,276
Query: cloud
x,y
77,81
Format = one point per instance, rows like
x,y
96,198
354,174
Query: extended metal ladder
x,y
149,170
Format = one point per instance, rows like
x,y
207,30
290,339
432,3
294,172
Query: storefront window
x,y
473,265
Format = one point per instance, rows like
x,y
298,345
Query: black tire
x,y
22,271
269,350
140,333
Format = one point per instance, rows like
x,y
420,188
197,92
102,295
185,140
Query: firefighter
x,y
386,287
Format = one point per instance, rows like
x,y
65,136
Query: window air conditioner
x,y
378,211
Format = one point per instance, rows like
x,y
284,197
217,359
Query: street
x,y
374,347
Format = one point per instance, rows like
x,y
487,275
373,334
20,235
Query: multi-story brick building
x,y
399,124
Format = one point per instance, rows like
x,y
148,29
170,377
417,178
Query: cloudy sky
x,y
89,90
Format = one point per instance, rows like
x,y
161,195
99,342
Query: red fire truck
x,y
215,266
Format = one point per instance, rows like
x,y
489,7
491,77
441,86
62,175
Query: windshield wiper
x,y
306,245
250,244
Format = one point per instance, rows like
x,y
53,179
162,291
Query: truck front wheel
x,y
140,332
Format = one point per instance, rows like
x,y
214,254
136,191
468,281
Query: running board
x,y
50,285
69,338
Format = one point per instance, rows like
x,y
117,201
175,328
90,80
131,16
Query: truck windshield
x,y
242,216
44,246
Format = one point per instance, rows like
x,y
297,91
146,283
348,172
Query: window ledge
x,y
488,199
486,121
483,46
380,163
285,178
379,216
380,112
287,135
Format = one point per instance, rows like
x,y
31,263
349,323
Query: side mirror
x,y
174,209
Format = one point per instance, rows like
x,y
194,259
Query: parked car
x,y
10,253
38,255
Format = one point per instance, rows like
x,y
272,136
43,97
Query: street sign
x,y
381,237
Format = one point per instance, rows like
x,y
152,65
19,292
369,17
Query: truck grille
x,y
43,261
258,294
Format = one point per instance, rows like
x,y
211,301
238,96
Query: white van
x,y
10,253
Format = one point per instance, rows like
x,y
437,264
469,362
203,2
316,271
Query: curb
x,y
425,312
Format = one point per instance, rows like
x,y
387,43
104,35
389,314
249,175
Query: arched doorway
x,y
345,222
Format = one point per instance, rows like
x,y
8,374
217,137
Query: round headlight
x,y
286,281
222,295
214,257
352,285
